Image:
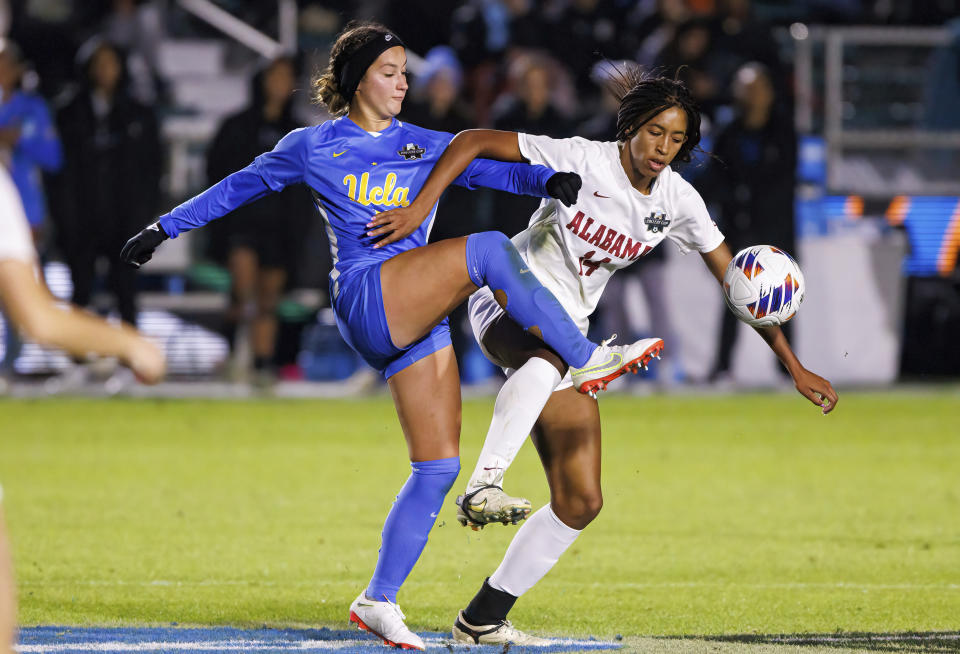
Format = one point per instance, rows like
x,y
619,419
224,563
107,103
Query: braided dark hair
x,y
643,96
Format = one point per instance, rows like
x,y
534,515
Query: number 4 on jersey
x,y
591,265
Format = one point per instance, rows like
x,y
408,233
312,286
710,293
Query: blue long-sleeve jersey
x,y
353,174
37,149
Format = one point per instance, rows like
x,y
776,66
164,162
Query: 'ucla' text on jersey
x,y
353,175
389,194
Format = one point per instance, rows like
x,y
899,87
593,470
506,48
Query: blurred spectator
x,y
260,242
690,56
109,186
533,103
49,33
434,100
483,32
137,26
753,183
602,123
531,107
741,38
28,140
28,145
651,26
582,32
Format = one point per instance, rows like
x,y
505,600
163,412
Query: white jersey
x,y
15,239
574,250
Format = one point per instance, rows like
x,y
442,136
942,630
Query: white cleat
x,y
610,361
384,620
490,504
493,634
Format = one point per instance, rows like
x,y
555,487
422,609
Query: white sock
x,y
518,405
534,550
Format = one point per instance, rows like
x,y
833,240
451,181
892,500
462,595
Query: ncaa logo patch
x,y
656,222
411,151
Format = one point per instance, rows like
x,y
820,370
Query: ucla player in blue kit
x,y
391,303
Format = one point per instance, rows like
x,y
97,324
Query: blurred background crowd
x,y
832,127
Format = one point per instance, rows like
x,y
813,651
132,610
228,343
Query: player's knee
x,y
492,238
490,256
492,247
577,510
590,506
551,358
438,474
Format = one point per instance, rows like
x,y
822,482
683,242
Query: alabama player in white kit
x,y
631,201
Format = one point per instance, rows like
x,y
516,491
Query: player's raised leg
x,y
427,398
421,286
567,437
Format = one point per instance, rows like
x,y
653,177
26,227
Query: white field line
x,y
787,585
799,585
852,639
255,645
259,645
165,646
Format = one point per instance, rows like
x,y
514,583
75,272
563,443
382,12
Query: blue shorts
x,y
358,307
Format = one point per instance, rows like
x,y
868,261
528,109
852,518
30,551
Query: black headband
x,y
356,67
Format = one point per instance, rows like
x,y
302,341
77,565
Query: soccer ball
x,y
763,286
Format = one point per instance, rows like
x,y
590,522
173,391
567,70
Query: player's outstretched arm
x,y
269,173
462,149
460,152
809,384
32,308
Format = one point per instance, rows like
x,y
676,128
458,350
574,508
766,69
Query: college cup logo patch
x,y
411,151
656,222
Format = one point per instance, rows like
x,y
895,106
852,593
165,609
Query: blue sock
x,y
409,522
493,261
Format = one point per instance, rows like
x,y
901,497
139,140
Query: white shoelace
x,y
516,635
396,609
606,342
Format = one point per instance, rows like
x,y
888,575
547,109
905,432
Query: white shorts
x,y
484,311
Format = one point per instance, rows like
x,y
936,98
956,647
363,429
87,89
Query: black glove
x,y
564,187
139,249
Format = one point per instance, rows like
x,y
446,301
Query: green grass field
x,y
723,515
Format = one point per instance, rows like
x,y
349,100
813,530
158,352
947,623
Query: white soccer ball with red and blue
x,y
763,286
